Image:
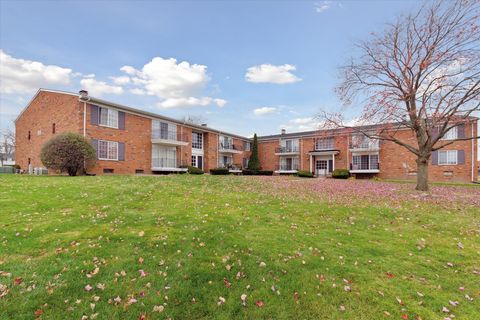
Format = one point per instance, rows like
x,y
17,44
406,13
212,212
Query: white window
x,y
248,145
197,140
324,144
164,130
107,150
226,142
446,157
164,157
108,117
290,145
451,134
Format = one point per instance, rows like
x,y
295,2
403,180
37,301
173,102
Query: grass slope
x,y
182,242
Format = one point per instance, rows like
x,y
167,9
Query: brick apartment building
x,y
130,141
127,140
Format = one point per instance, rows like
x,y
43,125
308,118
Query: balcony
x,y
232,168
365,145
365,167
169,164
324,144
169,138
287,150
287,167
230,148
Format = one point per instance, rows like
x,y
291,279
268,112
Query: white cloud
x,y
138,91
322,6
121,81
26,76
264,110
99,88
302,124
176,84
190,102
268,73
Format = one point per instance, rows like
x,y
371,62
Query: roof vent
x,y
284,131
203,124
83,94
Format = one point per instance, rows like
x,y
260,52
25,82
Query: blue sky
x,y
222,60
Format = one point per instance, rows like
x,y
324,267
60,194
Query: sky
x,y
244,67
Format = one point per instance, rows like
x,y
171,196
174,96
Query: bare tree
x,y
194,119
7,145
421,74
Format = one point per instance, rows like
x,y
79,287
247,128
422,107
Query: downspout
x,y
84,119
473,152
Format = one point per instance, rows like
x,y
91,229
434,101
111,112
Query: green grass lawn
x,y
189,247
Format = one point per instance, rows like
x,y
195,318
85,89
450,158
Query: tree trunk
x,y
422,174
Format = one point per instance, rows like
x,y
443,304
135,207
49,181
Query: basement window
x,y
139,171
105,170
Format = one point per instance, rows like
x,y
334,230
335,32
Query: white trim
x,y
169,169
473,149
365,171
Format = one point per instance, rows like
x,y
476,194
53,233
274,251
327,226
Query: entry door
x,y
321,167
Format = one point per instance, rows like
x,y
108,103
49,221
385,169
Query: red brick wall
x,y
210,145
397,162
266,154
47,108
184,153
137,139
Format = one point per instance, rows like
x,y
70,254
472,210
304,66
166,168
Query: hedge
x,y
194,170
304,174
248,172
219,171
340,174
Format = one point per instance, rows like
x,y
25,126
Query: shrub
x,y
67,152
304,174
219,171
340,174
248,172
194,170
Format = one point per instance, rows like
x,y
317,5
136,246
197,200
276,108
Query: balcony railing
x,y
230,166
286,167
365,145
168,163
230,146
293,149
365,166
169,135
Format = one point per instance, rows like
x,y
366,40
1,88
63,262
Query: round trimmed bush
x,y
304,174
68,152
340,174
219,171
194,170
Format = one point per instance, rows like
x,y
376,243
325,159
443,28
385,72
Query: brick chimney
x,y
83,94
